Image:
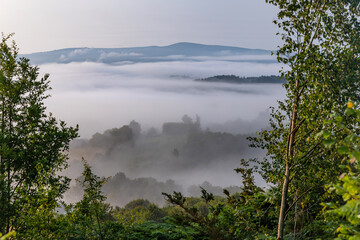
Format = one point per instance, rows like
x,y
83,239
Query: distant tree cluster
x,y
171,150
145,188
109,138
237,79
181,128
180,146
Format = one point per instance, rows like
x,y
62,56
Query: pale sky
x,y
42,25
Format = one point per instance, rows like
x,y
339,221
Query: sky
x,y
43,25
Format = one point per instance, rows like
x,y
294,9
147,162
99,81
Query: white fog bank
x,y
98,96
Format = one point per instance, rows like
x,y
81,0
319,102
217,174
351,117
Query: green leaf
x,y
346,196
356,155
319,134
339,119
343,150
351,138
326,134
329,142
349,111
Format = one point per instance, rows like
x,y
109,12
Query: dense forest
x,y
175,150
237,79
311,166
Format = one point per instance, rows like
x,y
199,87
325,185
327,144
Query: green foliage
x,y
204,220
7,236
41,221
254,210
87,219
92,218
249,214
33,145
138,212
165,230
346,210
321,52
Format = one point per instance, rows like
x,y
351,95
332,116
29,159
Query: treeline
x,y
179,144
178,147
237,79
146,188
92,218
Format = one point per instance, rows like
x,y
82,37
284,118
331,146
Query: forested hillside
x,y
239,80
179,148
311,168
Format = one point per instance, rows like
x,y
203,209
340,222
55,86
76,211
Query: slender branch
x,y
296,200
19,183
307,155
98,222
310,151
302,89
295,130
318,23
303,137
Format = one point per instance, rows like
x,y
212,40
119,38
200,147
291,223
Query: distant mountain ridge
x,y
182,51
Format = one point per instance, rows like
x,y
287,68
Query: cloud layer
x,y
98,96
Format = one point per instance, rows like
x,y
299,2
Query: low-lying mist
x,y
98,96
180,156
104,99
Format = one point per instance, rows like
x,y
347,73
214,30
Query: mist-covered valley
x,y
178,157
206,120
98,96
153,127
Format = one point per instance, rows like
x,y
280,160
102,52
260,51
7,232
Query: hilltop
x,y
183,51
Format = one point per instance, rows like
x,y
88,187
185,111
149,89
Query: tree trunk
x,y
283,203
296,215
289,155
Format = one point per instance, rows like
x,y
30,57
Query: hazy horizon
x,y
42,25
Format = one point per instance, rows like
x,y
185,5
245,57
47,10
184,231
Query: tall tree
x,y
31,141
321,53
88,217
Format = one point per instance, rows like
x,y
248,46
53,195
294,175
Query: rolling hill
x,y
176,52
